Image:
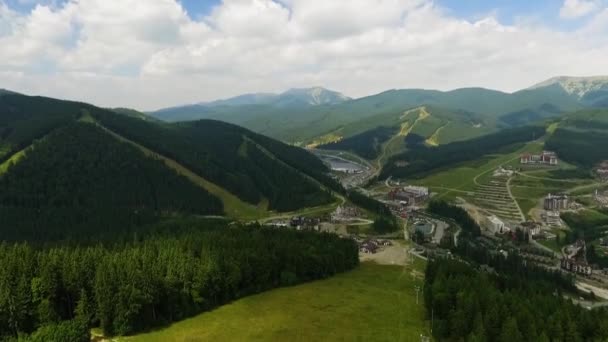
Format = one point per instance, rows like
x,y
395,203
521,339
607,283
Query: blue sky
x,y
506,11
358,47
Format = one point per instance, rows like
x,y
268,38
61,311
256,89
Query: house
x,y
345,213
308,223
575,259
369,246
531,227
496,225
544,158
575,266
502,172
602,170
556,202
410,195
552,218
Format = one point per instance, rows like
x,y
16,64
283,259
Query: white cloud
x,y
149,54
572,9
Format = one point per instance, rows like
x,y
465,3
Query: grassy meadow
x,y
371,303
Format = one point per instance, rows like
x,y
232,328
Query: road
x,y
521,213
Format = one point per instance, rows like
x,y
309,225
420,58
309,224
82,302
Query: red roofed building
x,y
545,158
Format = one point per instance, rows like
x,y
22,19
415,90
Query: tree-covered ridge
x,y
24,118
581,138
223,153
80,179
420,159
126,287
216,151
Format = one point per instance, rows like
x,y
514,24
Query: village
x,y
505,228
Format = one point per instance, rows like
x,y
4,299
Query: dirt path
x,y
390,255
545,178
521,213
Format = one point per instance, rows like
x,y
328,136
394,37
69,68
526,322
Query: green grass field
x,y
461,178
371,303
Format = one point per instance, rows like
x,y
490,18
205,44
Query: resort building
x,y
412,195
544,158
496,225
556,202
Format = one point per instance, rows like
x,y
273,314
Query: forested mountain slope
x,y
223,153
435,125
421,159
582,138
67,186
72,159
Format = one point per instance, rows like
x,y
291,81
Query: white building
x,y
417,190
496,225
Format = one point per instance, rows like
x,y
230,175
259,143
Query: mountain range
x,y
297,97
305,119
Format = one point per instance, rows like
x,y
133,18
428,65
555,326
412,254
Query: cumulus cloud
x,y
149,54
572,9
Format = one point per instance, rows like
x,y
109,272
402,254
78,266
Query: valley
x,y
371,208
297,170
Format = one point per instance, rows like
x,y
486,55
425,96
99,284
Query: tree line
x,y
151,280
580,147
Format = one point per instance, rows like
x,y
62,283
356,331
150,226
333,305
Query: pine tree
x,y
510,332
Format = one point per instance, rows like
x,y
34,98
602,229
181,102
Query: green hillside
x,y
212,167
307,124
232,158
420,159
581,138
371,303
435,125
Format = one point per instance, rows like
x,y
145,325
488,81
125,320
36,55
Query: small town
x,y
504,227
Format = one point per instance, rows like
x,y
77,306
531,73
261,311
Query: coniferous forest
x,y
173,271
79,180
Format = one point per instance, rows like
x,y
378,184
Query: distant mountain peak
x,y
577,86
316,95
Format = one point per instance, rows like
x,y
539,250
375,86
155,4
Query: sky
x,y
150,54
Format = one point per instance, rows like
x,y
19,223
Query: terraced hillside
x,y
494,195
